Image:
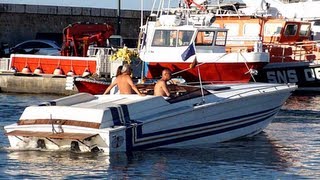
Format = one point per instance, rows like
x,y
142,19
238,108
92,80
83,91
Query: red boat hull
x,y
213,72
221,72
91,86
48,64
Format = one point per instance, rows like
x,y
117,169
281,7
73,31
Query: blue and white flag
x,y
190,51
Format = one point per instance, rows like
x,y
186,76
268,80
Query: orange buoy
x,y
26,70
13,69
57,71
70,73
86,73
38,70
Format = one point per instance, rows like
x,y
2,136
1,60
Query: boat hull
x,y
304,74
89,140
125,123
91,86
222,123
220,72
48,64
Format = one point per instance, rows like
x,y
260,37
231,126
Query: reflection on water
x,y
246,158
297,126
295,102
55,164
287,149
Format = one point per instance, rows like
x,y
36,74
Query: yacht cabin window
x,y
233,29
221,38
251,29
204,38
207,38
304,30
272,29
172,38
291,29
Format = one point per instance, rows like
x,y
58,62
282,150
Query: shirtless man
x,y
124,82
161,88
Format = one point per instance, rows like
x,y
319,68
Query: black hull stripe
x,y
230,120
120,115
133,133
115,116
203,128
195,136
126,114
135,137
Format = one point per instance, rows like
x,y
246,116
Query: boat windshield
x,y
272,29
207,38
291,30
304,30
172,38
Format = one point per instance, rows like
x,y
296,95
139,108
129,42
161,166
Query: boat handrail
x,y
260,90
217,9
195,91
4,64
301,51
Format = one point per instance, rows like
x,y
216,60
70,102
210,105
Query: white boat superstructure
x,y
180,38
123,123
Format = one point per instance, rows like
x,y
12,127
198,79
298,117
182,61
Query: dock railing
x,y
298,51
106,67
4,64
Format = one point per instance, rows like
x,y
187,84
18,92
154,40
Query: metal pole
x,y
119,17
141,18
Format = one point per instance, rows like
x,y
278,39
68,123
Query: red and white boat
x,y
91,86
186,43
78,57
294,56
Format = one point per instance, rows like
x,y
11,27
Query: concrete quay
x,y
35,85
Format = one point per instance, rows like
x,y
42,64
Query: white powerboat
x,y
122,123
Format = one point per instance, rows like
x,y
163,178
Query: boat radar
x,y
202,20
170,20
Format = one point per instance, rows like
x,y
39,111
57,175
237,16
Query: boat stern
x,y
86,140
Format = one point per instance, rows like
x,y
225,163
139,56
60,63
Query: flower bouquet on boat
x,y
195,116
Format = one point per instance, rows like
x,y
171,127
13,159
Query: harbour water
x,y
288,149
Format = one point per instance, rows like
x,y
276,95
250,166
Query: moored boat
x,y
196,116
92,86
183,40
294,55
83,52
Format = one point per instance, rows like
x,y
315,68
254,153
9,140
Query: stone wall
x,y
34,85
22,22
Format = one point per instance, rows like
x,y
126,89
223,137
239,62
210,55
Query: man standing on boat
x,y
124,82
161,88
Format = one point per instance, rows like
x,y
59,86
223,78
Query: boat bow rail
x,y
243,92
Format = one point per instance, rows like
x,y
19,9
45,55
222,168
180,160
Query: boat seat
x,y
188,93
216,88
76,136
70,100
